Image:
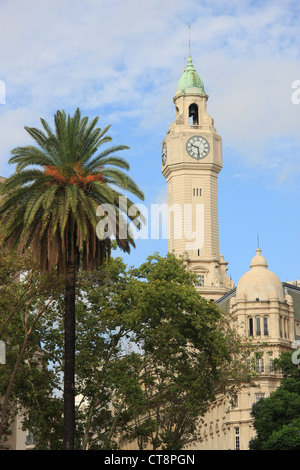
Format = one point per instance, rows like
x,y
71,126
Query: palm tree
x,y
50,205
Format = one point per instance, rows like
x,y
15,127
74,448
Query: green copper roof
x,y
190,78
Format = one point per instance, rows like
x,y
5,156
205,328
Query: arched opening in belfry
x,y
193,114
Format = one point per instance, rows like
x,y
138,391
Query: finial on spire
x,y
190,61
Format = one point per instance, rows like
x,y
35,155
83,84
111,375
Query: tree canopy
x,y
277,417
51,204
151,355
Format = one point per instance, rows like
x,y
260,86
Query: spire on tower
x,y
190,61
190,80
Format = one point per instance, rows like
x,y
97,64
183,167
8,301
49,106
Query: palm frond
x,y
94,165
63,208
29,156
49,197
37,135
34,203
50,203
20,179
97,160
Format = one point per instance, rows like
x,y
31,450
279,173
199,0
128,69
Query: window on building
x,y
250,326
284,327
237,438
258,331
30,440
249,362
235,402
297,328
266,330
197,192
260,365
259,396
271,365
200,280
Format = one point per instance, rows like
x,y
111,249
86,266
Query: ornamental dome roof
x,y
259,283
190,81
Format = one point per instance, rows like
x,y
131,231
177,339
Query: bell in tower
x,y
193,114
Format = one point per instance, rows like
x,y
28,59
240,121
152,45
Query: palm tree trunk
x,y
69,372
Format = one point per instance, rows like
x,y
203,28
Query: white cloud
x,y
124,58
12,133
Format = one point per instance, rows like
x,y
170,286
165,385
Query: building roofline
x,y
226,296
232,292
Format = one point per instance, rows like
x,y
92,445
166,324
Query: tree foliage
x,y
24,297
277,417
151,355
51,204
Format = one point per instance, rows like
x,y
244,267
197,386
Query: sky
x,y
121,60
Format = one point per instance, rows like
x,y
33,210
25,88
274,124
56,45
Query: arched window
x,y
199,280
250,326
266,330
193,115
258,331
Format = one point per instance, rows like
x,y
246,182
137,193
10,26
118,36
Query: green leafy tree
x,y
277,417
50,204
151,355
189,354
23,300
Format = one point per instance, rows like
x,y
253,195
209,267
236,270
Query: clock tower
x,y
191,159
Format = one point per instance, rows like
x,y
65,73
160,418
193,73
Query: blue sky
x,y
122,59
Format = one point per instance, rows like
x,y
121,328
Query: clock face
x,y
197,147
164,153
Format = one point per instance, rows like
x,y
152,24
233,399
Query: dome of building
x,y
190,81
259,283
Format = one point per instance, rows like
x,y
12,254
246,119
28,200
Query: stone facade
x,y
264,309
191,162
261,306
